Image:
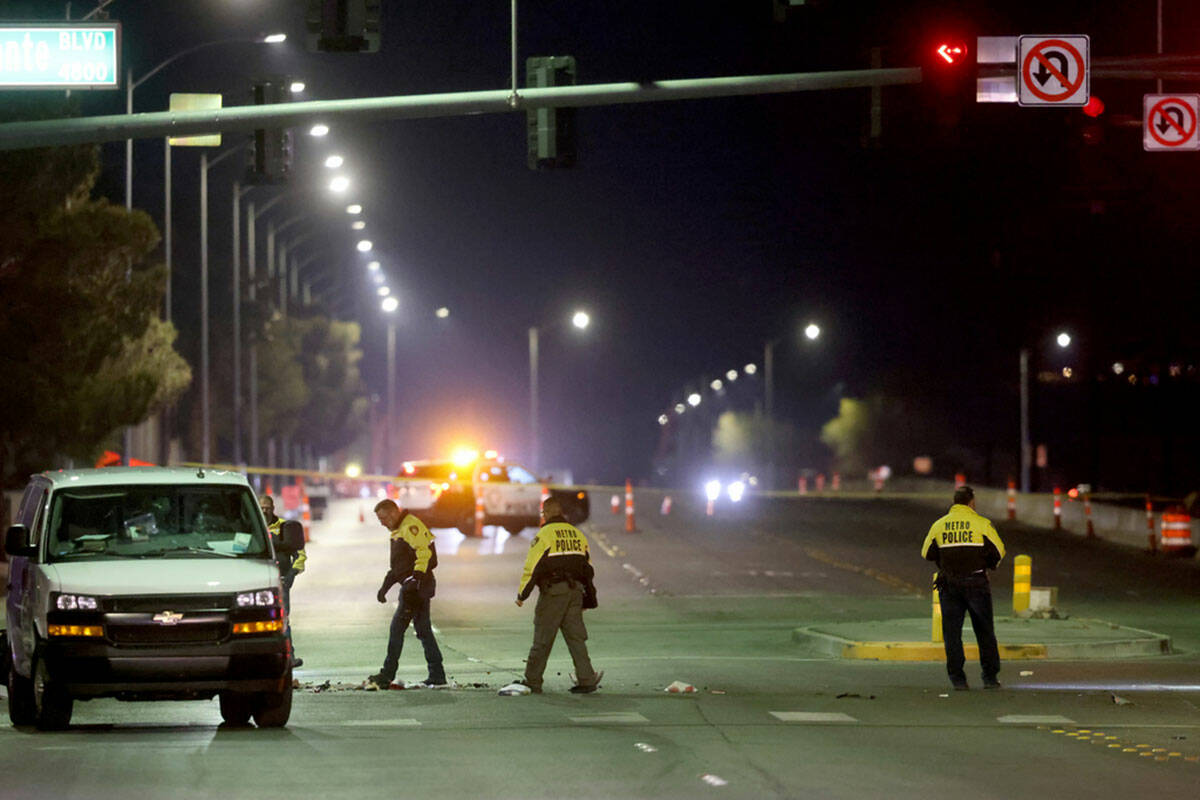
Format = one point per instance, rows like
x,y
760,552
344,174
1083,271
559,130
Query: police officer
x,y
290,565
559,565
965,545
413,558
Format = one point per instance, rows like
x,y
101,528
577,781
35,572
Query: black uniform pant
x,y
414,609
959,597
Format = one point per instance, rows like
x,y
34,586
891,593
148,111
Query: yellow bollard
x,y
936,635
1022,579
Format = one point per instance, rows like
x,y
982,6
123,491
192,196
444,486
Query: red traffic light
x,y
951,52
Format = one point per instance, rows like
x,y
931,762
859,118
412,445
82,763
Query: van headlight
x,y
76,602
262,597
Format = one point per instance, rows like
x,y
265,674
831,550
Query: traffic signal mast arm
x,y
81,130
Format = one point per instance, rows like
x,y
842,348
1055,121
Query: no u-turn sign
x,y
1169,122
1052,70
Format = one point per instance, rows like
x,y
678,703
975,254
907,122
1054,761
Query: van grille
x,y
175,602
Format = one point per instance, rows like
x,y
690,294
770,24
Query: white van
x,y
145,583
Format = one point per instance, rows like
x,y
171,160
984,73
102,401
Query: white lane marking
x,y
714,780
637,573
646,748
610,718
1027,719
380,723
812,716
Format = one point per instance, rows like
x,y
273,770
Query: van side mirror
x,y
16,542
291,536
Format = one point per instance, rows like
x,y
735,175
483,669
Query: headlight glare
x,y
262,597
76,602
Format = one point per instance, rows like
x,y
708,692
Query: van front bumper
x,y
99,669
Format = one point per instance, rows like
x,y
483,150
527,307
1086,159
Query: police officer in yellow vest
x,y
965,545
413,558
290,564
560,566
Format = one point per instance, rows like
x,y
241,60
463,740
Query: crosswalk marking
x,y
1027,719
611,718
812,716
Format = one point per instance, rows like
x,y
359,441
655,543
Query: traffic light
x,y
271,149
950,70
550,131
343,26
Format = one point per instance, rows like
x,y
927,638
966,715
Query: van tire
x,y
52,704
272,709
236,708
21,708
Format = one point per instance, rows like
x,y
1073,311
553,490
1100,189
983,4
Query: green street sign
x,y
60,55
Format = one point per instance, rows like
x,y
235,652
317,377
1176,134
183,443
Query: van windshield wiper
x,y
206,551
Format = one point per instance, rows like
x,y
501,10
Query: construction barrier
x,y
665,508
1150,525
960,479
1087,514
1057,509
1177,532
616,504
1022,582
837,482
479,511
821,482
545,496
802,487
1012,500
629,524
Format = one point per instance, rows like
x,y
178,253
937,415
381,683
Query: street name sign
x,y
60,55
1169,122
1052,70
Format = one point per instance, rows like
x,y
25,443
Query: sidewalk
x,y
1020,639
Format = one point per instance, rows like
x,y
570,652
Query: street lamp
x,y
334,161
389,306
580,319
1064,340
339,184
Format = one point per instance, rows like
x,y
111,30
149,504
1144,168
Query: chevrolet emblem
x,y
168,618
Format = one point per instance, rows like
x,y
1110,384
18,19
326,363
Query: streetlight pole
x,y
391,392
533,401
580,320
1026,445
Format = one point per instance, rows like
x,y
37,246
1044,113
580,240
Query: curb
x,y
1133,643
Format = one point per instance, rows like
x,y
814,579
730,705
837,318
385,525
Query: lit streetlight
x,y
297,87
334,161
364,245
663,419
750,369
812,331
358,225
1063,339
353,209
339,184
694,399
731,376
680,408
442,312
373,266
580,320
319,129
716,385
383,291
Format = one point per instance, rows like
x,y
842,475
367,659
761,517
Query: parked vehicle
x,y
443,494
145,583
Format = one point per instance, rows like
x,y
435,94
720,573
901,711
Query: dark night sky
x,y
693,231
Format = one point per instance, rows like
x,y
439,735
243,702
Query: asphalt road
x,y
710,602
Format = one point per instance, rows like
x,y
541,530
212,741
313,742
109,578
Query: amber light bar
x,y
262,626
76,630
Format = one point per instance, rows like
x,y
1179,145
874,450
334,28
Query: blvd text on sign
x,y
1053,70
60,55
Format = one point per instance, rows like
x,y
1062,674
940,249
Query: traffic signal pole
x,y
82,130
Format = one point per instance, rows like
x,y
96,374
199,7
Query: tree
x,y
337,406
878,430
81,347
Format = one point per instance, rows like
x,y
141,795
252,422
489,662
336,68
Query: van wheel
x,y
21,708
52,704
515,530
235,708
467,527
272,709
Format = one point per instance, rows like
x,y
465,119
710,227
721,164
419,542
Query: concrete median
x,y
1020,640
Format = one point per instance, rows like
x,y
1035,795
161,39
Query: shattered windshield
x,y
118,522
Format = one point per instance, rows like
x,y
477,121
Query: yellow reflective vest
x,y
963,543
558,552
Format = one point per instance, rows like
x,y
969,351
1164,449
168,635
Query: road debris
x,y
1121,701
679,687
